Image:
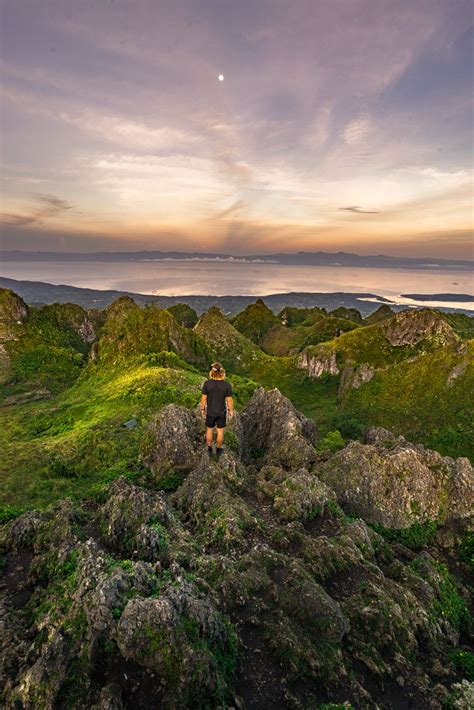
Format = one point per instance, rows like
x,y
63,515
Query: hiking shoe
x,y
219,453
209,451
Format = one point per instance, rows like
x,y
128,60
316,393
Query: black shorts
x,y
218,420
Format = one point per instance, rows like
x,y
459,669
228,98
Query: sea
x,y
190,277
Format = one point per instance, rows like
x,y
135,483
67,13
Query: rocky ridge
x,y
253,584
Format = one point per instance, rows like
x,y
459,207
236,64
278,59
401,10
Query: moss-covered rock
x,y
210,500
178,636
395,484
140,524
171,442
296,494
273,431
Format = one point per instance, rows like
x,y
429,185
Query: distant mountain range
x,y
313,258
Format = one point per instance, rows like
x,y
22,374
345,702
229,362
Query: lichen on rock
x,y
275,432
395,483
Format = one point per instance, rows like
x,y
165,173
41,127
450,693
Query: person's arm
x,y
204,399
230,406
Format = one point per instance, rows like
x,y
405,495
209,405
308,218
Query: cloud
x,y
47,207
358,210
357,130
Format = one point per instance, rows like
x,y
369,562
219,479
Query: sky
x,y
339,125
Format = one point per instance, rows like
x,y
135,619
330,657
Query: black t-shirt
x,y
216,391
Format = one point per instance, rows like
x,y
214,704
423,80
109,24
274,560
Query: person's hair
x,y
217,372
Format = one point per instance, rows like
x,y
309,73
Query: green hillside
x,y
428,399
315,564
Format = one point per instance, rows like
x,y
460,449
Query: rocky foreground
x,y
278,577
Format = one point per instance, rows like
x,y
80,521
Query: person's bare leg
x,y
209,436
220,437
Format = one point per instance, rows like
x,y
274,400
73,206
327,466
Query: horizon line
x,y
233,256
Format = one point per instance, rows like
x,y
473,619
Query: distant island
x,y
306,258
459,297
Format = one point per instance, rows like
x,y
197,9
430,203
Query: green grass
x,y
64,445
72,443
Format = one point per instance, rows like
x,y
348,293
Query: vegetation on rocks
x,y
301,570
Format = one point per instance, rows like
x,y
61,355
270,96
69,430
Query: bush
x,y
463,661
8,512
332,441
416,536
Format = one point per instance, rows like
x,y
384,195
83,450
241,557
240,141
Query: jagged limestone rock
x,y
394,483
319,361
411,327
324,607
174,636
172,440
353,376
209,498
140,523
13,313
296,494
275,432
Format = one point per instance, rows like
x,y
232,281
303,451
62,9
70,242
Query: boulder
x,y
210,500
394,483
175,636
139,522
296,494
174,436
275,432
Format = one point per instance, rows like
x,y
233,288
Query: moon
x,y
221,77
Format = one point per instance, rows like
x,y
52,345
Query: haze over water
x,y
177,278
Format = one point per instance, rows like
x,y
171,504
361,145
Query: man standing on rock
x,y
216,394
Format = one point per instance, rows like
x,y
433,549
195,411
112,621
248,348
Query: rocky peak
x,y
412,327
255,321
227,344
248,586
347,313
119,309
